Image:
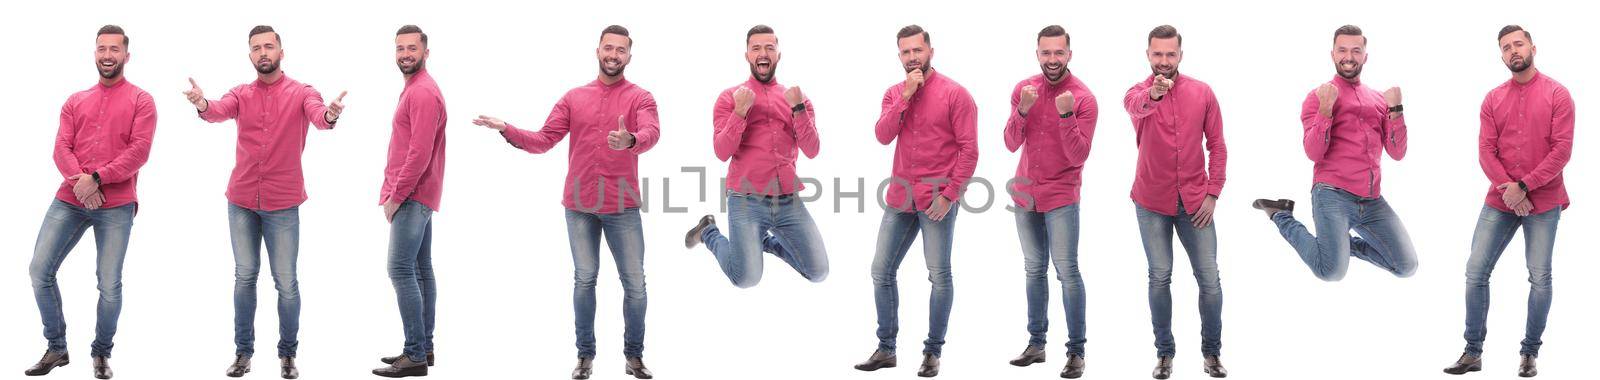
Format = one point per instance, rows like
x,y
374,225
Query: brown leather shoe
x,y
392,359
1074,368
880,359
402,367
288,369
1033,354
49,362
102,367
240,366
636,369
1273,207
1467,363
1528,368
930,366
1214,367
584,369
1163,368
692,238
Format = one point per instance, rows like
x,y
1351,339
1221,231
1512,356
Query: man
x,y
1347,127
103,140
267,188
935,121
1176,126
612,121
1055,136
413,181
761,125
1524,141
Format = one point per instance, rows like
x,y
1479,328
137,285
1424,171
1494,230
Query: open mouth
x,y
108,64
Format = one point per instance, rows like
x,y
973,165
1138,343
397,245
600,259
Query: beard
x,y
1353,73
1053,75
921,65
109,72
413,69
1516,66
612,73
266,67
1170,73
772,71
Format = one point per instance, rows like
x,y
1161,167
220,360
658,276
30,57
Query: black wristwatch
x,y
798,108
1066,115
1397,108
1520,184
96,176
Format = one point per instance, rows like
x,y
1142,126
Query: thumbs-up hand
x,y
620,139
335,108
197,97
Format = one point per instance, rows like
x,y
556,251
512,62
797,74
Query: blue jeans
x,y
624,233
1383,241
1052,237
280,230
1156,231
411,272
778,225
1494,232
895,235
64,224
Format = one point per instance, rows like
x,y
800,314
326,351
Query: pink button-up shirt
x,y
416,145
1172,166
1346,149
273,120
106,130
765,142
938,148
599,180
1053,148
1526,134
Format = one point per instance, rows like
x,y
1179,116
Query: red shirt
x,y
765,143
106,130
599,180
273,120
1053,148
416,145
1526,135
938,148
1346,148
1175,136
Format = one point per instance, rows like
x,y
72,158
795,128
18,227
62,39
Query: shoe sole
x,y
875,368
47,370
241,374
641,375
1028,362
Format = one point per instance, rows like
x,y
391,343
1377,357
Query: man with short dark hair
x,y
1524,143
413,183
102,142
267,188
761,126
935,122
1177,126
612,121
1055,136
1348,126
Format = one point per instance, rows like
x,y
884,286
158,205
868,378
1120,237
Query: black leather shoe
x,y
288,369
693,237
879,359
102,367
1214,367
402,367
636,369
930,366
50,361
240,366
1033,354
1467,363
392,359
1272,207
1163,368
1074,368
1528,368
584,369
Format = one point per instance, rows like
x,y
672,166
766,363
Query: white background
x,y
500,243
